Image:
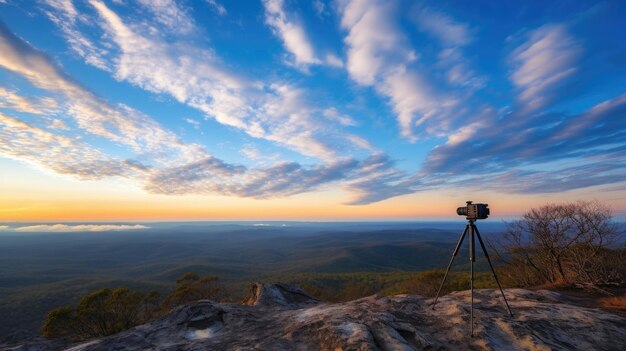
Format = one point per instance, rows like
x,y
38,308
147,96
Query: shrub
x,y
563,244
100,313
191,287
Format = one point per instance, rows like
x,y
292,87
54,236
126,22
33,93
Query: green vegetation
x,y
191,287
106,311
335,287
100,313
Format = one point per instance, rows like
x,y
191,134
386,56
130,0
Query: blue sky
x,y
270,99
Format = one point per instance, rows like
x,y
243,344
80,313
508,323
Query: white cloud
x,y
67,18
219,8
452,36
361,143
58,124
4,227
379,180
463,134
333,115
333,60
173,167
120,124
10,99
379,55
195,123
250,152
170,14
374,43
457,66
147,63
78,227
542,64
413,100
295,125
295,40
443,27
290,32
274,111
62,154
567,151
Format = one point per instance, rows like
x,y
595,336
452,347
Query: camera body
x,y
474,211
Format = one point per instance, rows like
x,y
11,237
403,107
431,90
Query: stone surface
x,y
283,317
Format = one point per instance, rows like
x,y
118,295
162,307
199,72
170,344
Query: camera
x,y
474,211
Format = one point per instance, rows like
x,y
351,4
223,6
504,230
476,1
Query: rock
x,y
282,295
32,343
283,317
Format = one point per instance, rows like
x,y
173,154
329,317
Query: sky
x,y
153,110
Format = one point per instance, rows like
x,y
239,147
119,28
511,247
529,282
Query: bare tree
x,y
562,244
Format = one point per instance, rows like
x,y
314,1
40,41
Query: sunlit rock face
x,y
283,317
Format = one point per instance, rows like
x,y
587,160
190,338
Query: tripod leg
x,y
480,240
456,251
472,259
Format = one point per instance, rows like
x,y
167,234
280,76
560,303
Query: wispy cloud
x,y
452,36
273,111
78,227
380,55
11,99
61,154
170,14
542,64
194,122
293,35
442,27
380,181
168,166
290,32
372,179
416,61
120,124
334,115
213,176
545,152
219,8
64,14
58,124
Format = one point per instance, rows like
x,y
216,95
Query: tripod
x,y
472,229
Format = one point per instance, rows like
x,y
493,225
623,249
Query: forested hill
x,y
41,271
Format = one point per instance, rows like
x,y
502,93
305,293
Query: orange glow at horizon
x,y
30,195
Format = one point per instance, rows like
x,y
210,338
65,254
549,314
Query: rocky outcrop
x,y
283,317
279,295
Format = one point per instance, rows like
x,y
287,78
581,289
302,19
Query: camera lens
x,y
461,211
